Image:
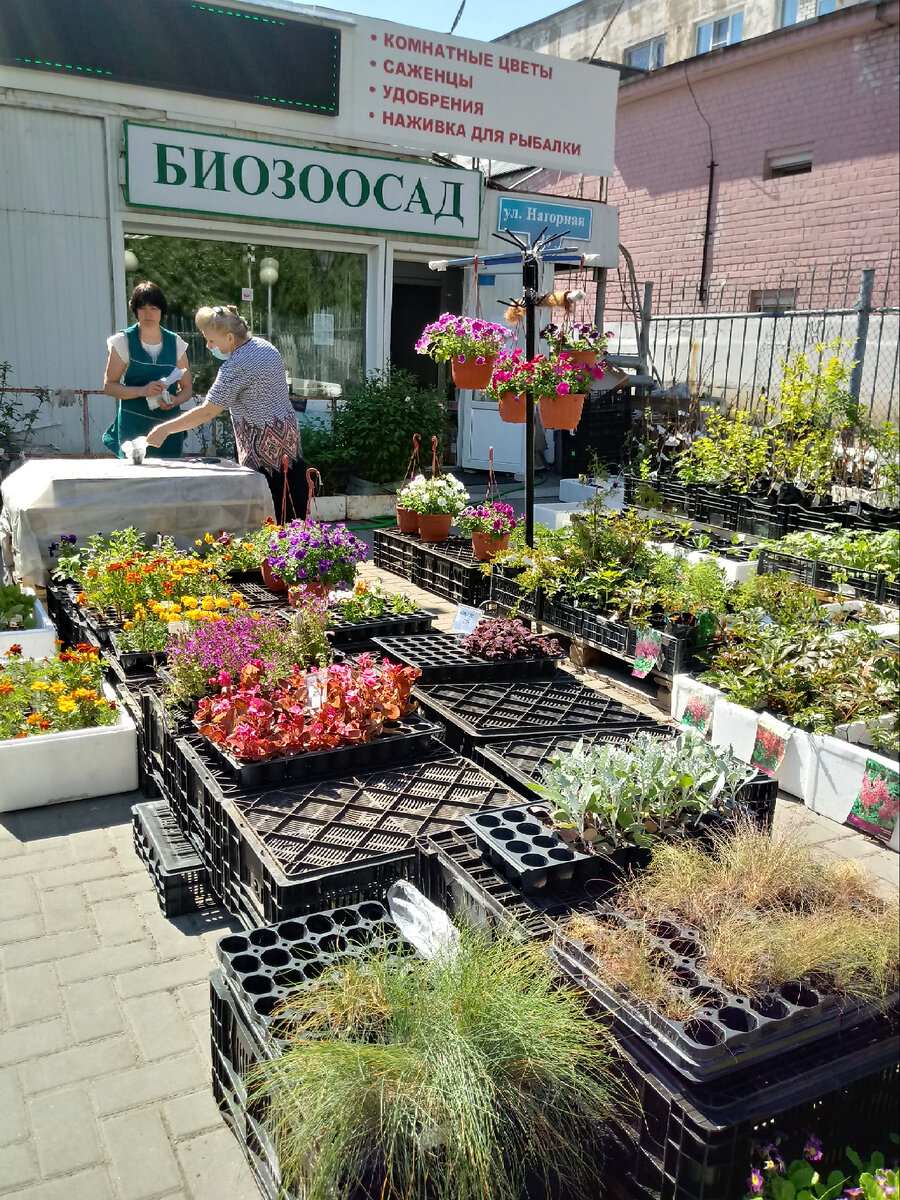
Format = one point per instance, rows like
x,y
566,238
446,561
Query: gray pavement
x,y
104,1019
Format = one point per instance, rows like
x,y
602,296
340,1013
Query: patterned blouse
x,y
252,386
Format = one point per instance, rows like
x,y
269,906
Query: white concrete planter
x,y
836,771
685,686
39,642
74,765
613,492
859,733
736,726
736,570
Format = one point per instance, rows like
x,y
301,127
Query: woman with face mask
x,y
251,384
140,358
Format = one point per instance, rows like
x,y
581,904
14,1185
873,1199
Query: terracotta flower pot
x,y
470,374
512,408
407,520
486,545
587,358
303,591
561,412
270,580
434,527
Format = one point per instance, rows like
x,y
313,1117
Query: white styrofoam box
x,y
836,773
613,492
685,686
555,516
39,642
736,570
860,733
735,726
74,765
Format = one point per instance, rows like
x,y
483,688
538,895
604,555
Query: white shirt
x,y
119,343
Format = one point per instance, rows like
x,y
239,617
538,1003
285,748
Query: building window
x,y
779,166
773,300
795,11
648,55
725,31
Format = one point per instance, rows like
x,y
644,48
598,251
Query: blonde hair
x,y
223,319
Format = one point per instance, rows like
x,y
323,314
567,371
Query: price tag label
x,y
466,619
247,295
315,688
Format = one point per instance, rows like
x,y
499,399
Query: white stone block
x,y
39,642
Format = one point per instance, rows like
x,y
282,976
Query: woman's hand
x,y
153,389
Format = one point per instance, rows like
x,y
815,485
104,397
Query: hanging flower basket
x,y
561,412
434,527
471,374
585,358
489,524
512,408
407,519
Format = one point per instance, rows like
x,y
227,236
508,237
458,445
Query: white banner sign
x,y
417,88
200,172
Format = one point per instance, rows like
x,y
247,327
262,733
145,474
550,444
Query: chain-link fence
x,y
731,347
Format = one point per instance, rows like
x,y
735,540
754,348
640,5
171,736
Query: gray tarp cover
x,y
47,497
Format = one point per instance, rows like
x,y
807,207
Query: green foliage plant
x,y
323,450
18,416
855,549
16,609
374,424
733,449
803,1179
448,1078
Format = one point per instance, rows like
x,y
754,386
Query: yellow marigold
x,y
208,538
33,719
198,542
84,694
64,704
127,625
40,686
248,546
189,601
207,604
221,602
100,703
236,598
57,688
194,614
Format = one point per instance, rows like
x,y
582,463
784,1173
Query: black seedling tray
x,y
274,853
504,591
518,761
348,633
266,965
258,595
174,865
441,659
400,741
475,713
868,585
136,662
729,1031
528,853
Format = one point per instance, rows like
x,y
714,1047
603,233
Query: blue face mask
x,y
220,354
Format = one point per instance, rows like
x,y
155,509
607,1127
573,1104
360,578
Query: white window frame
x,y
823,7
657,48
730,38
778,166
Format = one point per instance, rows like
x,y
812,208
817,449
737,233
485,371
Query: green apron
x,y
136,418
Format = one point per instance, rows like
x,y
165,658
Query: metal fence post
x,y
863,307
644,340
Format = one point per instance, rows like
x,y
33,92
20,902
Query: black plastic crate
x,y
475,713
399,742
136,663
504,591
604,634
718,507
451,570
560,612
604,426
867,585
729,1032
257,595
174,865
287,848
698,1142
619,639
762,519
441,659
351,633
891,593
396,552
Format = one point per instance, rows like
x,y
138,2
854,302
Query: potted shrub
x,y
457,1077
470,344
62,735
490,525
437,502
583,343
312,557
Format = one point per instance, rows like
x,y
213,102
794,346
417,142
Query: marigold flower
x,y
40,686
6,688
15,650
33,719
64,704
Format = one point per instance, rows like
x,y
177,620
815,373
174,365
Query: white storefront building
x,y
291,127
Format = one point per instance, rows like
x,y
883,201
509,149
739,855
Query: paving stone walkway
x,y
104,1020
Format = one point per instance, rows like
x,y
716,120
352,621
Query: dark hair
x,y
147,293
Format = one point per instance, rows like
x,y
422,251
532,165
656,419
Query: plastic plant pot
x,y
512,408
561,412
407,520
486,545
471,374
434,527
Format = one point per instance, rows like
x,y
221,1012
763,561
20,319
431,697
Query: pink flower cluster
x,y
541,375
461,338
492,517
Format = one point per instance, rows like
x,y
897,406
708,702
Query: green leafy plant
x,y
732,450
856,549
18,416
324,450
430,497
448,1078
16,608
374,424
369,600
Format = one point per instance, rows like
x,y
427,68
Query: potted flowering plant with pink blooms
x,y
470,344
583,342
489,525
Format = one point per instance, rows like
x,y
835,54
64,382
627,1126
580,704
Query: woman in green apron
x,y
139,357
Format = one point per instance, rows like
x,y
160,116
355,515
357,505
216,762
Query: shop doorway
x,y
419,297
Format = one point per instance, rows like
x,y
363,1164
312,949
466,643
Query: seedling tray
x,y
348,633
476,713
400,741
258,595
868,585
174,865
504,591
526,852
517,762
729,1031
277,852
441,659
136,662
